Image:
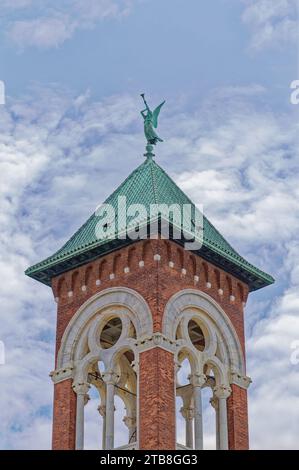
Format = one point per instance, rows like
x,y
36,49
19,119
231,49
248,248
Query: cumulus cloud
x,y
52,23
43,32
272,23
62,155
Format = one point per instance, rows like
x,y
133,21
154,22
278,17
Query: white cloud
x,y
272,23
57,150
52,23
42,32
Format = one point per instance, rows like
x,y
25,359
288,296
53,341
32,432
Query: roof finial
x,y
150,122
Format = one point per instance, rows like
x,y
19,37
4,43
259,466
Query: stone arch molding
x,y
191,304
127,304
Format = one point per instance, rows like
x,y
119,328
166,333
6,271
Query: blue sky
x,y
70,131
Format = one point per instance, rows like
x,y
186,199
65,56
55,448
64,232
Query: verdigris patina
x,y
151,123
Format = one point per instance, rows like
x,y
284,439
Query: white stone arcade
x,y
113,327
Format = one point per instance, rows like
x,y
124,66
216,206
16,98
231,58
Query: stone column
x,y
130,422
102,412
222,392
197,382
110,378
81,390
214,403
188,415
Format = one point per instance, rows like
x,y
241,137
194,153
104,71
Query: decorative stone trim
x,y
126,270
232,298
156,340
208,285
157,257
98,282
241,381
195,301
83,288
196,279
70,293
220,291
171,264
184,272
136,306
112,276
141,264
59,375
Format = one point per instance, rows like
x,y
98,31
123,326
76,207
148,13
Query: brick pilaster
x,y
64,416
237,418
156,400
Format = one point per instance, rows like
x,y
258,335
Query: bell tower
x,y
132,309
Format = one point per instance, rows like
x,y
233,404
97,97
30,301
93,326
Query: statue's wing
x,y
156,113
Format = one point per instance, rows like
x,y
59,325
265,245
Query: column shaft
x,y
223,434
80,422
109,415
217,428
104,433
189,433
198,428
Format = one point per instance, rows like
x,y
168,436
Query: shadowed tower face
x,y
133,313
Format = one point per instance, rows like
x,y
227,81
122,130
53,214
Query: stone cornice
x,y
240,380
154,341
59,375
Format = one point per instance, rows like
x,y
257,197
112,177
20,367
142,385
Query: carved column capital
x,y
135,366
130,421
102,410
81,388
214,402
197,380
110,377
187,413
222,391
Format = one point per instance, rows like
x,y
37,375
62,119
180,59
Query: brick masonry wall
x,y
157,400
156,281
237,416
64,416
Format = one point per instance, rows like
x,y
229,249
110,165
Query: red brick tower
x,y
141,307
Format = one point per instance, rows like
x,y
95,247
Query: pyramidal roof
x,y
148,184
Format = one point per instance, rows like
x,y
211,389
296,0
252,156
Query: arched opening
x,y
125,399
183,372
184,402
209,421
121,430
196,335
110,333
93,429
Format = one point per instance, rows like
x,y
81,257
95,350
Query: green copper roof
x,y
148,184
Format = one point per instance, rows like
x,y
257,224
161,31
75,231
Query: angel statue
x,y
151,122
